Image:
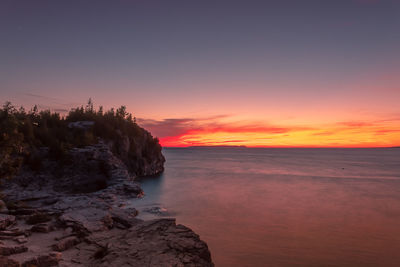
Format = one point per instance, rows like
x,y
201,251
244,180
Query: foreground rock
x,y
85,217
152,243
158,242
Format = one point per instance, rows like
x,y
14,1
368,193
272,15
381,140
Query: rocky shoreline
x,y
83,217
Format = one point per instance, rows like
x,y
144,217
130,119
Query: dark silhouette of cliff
x,y
24,135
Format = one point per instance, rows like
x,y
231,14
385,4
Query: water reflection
x,y
285,207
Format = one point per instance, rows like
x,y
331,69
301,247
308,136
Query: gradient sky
x,y
255,73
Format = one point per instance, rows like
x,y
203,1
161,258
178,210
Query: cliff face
x,y
82,213
23,135
142,154
93,168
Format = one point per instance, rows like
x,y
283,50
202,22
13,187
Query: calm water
x,y
285,207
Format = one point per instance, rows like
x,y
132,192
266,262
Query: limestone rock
x,y
7,262
124,218
22,211
42,228
86,220
154,243
6,220
13,232
21,239
66,243
10,250
157,211
3,207
133,188
89,199
48,260
39,217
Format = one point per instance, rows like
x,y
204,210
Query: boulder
x,y
132,189
124,218
6,220
66,243
157,211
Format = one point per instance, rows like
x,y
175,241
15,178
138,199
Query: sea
x,y
283,206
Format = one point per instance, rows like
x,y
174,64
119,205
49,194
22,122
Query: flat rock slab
x,y
87,220
150,243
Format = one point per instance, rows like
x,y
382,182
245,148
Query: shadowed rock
x,y
6,251
48,260
42,228
66,243
39,217
7,262
93,223
6,220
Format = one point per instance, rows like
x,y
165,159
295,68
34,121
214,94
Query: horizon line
x,y
216,146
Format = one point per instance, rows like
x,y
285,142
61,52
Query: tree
x,y
34,110
129,118
8,108
100,111
23,134
121,112
89,106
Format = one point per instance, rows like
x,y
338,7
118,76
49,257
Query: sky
x,y
253,73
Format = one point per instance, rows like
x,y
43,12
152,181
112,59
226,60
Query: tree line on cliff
x,y
23,133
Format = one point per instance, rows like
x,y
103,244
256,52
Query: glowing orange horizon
x,y
351,134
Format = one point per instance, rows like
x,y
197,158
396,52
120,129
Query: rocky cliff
x,y
77,212
24,138
142,154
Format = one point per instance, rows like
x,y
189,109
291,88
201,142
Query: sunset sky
x,y
255,73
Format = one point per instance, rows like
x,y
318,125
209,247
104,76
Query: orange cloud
x,y
216,131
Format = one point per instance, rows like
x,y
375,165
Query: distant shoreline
x,y
283,147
